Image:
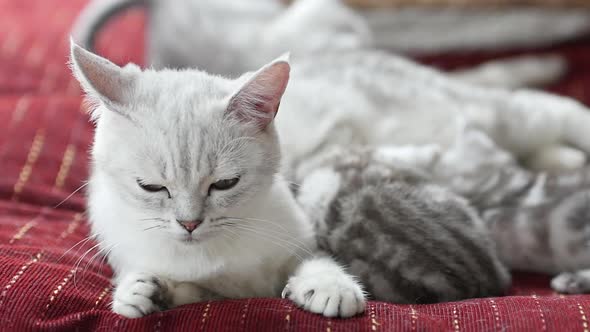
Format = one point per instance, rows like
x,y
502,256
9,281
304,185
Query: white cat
x,y
233,36
185,194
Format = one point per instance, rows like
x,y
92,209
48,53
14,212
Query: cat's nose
x,y
189,225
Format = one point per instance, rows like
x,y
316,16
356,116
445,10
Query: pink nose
x,y
190,226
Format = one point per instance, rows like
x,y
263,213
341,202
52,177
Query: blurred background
x,y
448,34
45,133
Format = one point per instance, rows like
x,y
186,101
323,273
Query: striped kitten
x,y
540,222
407,239
373,207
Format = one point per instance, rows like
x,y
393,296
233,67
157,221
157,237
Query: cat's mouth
x,y
188,239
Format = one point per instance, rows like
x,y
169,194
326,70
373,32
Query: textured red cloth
x,y
51,280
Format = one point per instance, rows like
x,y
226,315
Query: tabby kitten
x,y
406,238
370,205
540,222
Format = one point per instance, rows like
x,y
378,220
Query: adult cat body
x,y
185,197
232,36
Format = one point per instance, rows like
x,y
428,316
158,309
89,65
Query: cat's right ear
x,y
103,80
259,98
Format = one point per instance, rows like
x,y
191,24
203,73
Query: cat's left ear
x,y
259,98
102,79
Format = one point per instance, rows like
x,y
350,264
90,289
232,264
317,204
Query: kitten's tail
x,y
95,15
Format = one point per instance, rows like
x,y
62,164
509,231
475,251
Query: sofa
x,y
52,277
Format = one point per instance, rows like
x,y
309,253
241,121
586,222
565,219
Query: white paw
x,y
332,295
571,283
139,294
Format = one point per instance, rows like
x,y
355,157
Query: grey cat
x,y
539,221
418,225
407,239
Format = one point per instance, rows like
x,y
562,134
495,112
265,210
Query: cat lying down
x,y
188,196
417,225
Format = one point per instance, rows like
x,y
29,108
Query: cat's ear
x,y
102,79
258,99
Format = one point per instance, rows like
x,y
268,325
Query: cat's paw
x,y
337,295
571,283
140,294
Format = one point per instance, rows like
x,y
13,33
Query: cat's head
x,y
182,149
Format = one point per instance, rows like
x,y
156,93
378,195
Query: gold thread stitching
x,y
583,315
64,168
496,313
33,155
71,227
535,297
23,230
456,326
374,322
19,274
59,288
101,296
414,317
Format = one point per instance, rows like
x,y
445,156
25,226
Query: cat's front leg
x,y
138,294
321,286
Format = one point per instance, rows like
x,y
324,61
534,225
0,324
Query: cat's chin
x,y
188,239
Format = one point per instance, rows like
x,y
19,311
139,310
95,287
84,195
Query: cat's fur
x,y
406,238
233,36
230,37
537,222
367,98
252,240
381,99
368,91
540,222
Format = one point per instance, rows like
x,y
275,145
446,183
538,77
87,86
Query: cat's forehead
x,y
182,90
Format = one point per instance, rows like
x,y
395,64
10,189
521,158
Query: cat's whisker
x,y
153,227
232,236
104,258
96,255
79,261
81,242
276,240
152,219
303,246
294,241
70,195
256,219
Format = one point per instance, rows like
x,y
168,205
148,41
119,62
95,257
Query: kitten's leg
x,y
321,286
556,158
572,282
188,292
516,72
140,294
527,122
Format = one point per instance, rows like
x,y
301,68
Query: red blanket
x,y
51,276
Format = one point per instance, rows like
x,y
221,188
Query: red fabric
x,y
51,280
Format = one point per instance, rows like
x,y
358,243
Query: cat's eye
x,y
225,184
153,188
